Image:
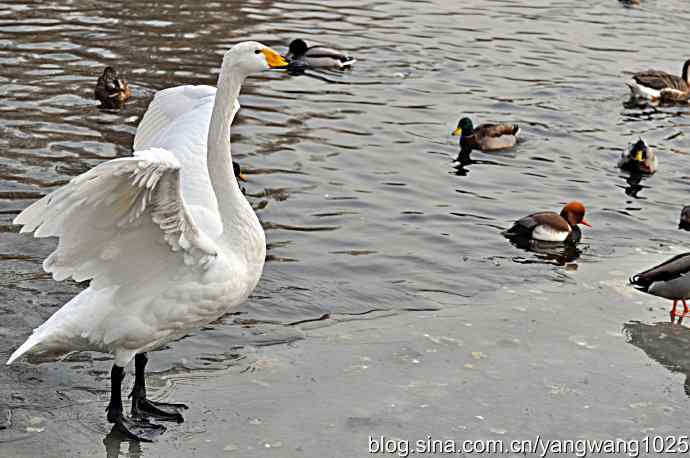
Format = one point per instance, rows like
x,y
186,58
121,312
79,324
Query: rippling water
x,y
352,171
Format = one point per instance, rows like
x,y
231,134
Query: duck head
x,y
238,171
109,74
639,151
574,214
465,128
298,47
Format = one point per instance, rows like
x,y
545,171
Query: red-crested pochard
x,y
550,226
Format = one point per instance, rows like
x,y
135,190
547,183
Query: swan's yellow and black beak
x,y
457,132
273,59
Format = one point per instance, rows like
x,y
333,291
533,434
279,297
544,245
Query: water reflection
x,y
664,342
634,181
558,254
114,442
461,164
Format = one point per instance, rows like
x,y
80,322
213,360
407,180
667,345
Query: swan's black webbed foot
x,y
141,406
135,428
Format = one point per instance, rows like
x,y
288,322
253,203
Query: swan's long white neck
x,y
241,227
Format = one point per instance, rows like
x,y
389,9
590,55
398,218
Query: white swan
x,y
166,237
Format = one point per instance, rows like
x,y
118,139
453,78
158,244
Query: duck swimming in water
x,y
237,170
485,137
659,86
550,226
112,90
301,56
639,159
685,218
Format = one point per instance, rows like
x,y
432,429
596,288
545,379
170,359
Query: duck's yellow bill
x,y
274,59
638,156
457,132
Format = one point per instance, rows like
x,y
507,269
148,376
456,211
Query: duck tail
x,y
516,130
639,283
635,89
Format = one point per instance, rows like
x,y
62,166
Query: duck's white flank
x,y
643,92
547,233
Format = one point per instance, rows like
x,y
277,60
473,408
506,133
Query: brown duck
x,y
550,226
659,86
111,90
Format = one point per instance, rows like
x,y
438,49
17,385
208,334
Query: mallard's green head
x,y
297,48
465,127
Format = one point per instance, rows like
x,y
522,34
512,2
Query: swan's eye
x,y
258,51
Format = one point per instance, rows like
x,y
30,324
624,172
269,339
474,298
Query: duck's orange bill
x,y
584,221
241,177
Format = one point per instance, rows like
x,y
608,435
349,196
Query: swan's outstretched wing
x,y
120,222
169,105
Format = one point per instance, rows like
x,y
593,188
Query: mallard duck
x,y
237,170
111,90
639,159
300,56
630,2
685,218
486,137
669,280
166,238
239,175
658,86
550,226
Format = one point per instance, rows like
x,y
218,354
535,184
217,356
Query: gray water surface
x,y
367,220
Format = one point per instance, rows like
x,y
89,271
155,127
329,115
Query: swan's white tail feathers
x,y
30,343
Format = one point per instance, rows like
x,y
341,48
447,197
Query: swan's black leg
x,y
142,407
135,429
